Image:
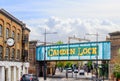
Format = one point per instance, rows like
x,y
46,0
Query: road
x,y
61,76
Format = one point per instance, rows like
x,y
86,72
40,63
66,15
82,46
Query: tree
x,y
68,64
89,66
116,69
60,64
59,42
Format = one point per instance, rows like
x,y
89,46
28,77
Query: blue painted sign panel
x,y
75,51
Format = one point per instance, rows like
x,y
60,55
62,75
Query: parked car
x,y
81,72
75,70
69,70
29,77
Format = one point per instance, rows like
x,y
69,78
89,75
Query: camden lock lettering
x,y
74,51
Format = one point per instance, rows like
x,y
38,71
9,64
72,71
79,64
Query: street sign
x,y
75,51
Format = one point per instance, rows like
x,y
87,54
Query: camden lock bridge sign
x,y
75,51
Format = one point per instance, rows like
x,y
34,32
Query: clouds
x,y
67,17
108,9
66,27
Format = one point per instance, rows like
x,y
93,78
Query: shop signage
x,y
75,51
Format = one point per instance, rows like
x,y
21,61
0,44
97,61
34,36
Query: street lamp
x,y
45,64
96,54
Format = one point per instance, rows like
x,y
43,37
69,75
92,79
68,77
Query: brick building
x,y
32,56
14,47
115,49
36,67
115,44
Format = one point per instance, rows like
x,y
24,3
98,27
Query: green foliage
x,y
60,64
68,64
59,42
64,63
117,70
118,75
89,64
103,70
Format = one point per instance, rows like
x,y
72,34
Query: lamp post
x,y
45,64
96,54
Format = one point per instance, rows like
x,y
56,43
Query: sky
x,y
68,18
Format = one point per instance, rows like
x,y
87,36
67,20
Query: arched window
x,y
18,37
18,55
1,52
13,34
7,54
13,54
7,33
0,30
26,38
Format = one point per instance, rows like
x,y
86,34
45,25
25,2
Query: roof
x,y
114,33
33,41
4,12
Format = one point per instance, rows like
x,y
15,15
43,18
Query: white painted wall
x,y
13,70
2,74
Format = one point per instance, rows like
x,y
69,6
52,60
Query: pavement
x,y
68,79
61,76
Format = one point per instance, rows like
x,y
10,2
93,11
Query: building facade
x,y
115,44
37,67
14,47
115,49
32,57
